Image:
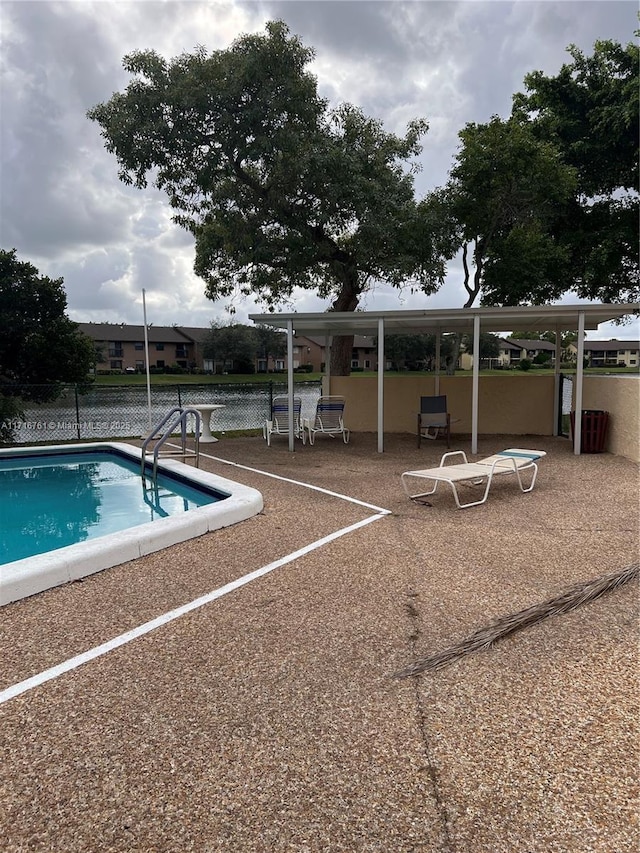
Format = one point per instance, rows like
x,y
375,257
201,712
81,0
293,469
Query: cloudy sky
x,y
64,209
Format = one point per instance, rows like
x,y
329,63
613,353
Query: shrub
x,y
525,364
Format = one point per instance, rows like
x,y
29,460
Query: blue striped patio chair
x,y
278,424
328,419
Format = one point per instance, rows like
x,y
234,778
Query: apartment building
x,y
612,353
515,350
121,347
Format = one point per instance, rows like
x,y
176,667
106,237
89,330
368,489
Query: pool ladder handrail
x,y
174,417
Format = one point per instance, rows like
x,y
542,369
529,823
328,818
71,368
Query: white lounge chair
x,y
328,419
278,424
513,460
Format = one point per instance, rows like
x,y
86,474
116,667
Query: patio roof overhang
x,y
500,319
472,321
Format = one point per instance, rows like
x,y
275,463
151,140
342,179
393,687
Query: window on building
x,y
139,345
160,363
115,364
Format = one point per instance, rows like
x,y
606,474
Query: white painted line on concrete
x,y
147,627
294,482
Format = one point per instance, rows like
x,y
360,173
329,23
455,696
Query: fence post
x,y
179,396
75,389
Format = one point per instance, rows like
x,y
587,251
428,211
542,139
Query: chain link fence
x,y
119,411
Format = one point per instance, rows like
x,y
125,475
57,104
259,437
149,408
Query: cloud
x,y
64,209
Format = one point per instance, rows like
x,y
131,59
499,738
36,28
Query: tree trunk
x,y
452,360
341,349
472,290
342,345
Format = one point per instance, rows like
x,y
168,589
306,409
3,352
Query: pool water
x,y
53,501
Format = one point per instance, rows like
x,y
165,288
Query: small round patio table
x,y
206,410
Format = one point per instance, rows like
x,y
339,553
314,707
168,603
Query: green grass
x,y
261,378
202,379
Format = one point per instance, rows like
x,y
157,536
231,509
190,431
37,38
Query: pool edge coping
x,y
31,575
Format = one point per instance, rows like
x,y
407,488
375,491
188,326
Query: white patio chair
x,y
328,419
278,424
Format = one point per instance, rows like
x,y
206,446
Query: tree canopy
x,y
546,201
590,111
41,349
503,194
234,342
278,190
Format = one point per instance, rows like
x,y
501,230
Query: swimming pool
x,y
101,483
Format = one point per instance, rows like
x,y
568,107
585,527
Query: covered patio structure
x,y
464,321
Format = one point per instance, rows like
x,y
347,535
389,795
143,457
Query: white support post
x,y
146,355
290,382
577,417
474,386
380,385
328,340
556,383
438,344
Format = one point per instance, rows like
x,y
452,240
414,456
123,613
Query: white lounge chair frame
x,y
279,422
328,420
513,460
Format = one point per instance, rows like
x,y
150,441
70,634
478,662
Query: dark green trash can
x,y
593,430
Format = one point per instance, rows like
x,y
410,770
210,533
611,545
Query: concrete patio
x,y
269,720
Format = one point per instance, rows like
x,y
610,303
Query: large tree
x,y
546,202
590,112
41,349
502,197
278,190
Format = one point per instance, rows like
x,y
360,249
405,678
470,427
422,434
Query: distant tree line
x,y
240,345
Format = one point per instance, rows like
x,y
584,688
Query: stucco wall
x,y
512,405
620,396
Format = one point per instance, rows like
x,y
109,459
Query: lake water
x,y
122,411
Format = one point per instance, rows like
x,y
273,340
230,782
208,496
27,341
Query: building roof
x,y
124,332
195,333
521,343
609,346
